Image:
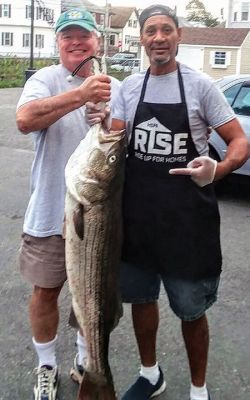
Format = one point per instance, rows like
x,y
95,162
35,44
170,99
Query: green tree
x,y
197,12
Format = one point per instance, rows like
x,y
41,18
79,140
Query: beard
x,y
160,60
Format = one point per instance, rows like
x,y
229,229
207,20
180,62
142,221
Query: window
x,y
28,12
39,12
244,16
220,59
7,39
235,16
102,19
244,11
39,41
231,92
112,40
48,14
5,10
26,40
130,22
135,24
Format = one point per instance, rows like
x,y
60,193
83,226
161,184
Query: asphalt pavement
x,y
228,374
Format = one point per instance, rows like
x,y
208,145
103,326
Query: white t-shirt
x,y
206,105
53,147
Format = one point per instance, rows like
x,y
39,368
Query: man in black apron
x,y
171,218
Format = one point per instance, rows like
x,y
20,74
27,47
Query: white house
x,y
238,14
15,27
125,29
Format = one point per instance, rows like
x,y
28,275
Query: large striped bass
x,y
93,233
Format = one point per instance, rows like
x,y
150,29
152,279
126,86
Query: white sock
x,y
198,393
82,349
151,373
46,352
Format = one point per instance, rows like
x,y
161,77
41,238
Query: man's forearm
x,y
39,114
238,152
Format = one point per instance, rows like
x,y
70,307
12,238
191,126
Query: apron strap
x,y
144,86
180,80
181,86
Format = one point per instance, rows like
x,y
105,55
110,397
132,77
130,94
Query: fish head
x,y
105,165
95,169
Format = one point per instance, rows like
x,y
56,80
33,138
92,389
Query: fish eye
x,y
112,159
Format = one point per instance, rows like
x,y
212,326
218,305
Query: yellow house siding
x,y
217,73
245,56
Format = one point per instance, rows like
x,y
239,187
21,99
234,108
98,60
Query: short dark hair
x,y
157,9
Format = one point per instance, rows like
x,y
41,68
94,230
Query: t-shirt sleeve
x,y
35,88
216,108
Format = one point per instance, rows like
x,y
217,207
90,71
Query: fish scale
x,y
93,233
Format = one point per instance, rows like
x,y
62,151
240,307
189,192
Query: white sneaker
x,y
47,383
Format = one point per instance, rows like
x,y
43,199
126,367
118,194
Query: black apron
x,y
171,225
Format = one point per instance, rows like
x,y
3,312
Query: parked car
x,y
128,65
236,89
119,58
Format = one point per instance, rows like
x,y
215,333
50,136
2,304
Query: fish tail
x,y
92,389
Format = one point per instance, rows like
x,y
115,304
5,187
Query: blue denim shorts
x,y
188,299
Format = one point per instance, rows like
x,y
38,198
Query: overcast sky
x,y
213,6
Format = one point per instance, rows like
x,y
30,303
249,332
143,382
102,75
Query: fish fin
x,y
78,221
64,227
93,389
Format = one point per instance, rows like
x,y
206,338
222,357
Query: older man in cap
x,y
52,107
171,218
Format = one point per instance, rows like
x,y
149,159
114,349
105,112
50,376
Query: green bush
x,y
12,70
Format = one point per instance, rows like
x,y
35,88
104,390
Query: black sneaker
x,y
76,371
142,389
47,383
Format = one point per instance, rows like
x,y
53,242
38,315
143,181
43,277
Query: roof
x,y
120,16
214,36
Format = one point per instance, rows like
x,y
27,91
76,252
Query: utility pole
x,y
30,71
32,35
106,29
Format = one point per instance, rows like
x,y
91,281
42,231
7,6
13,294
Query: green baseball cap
x,y
76,16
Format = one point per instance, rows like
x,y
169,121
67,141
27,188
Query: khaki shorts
x,y
42,260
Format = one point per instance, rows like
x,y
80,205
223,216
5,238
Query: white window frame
x,y
7,39
28,12
245,11
216,54
39,41
245,16
6,10
26,39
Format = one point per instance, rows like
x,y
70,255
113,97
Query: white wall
x,y
191,56
18,24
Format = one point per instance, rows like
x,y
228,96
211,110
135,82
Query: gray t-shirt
x,y
53,147
205,103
